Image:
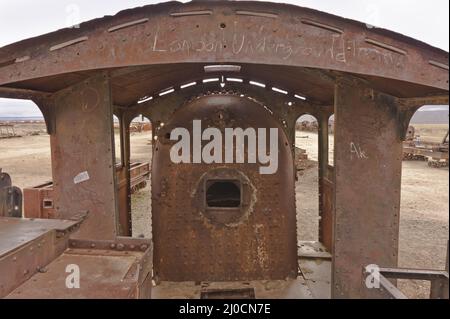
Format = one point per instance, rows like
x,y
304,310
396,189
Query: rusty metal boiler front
x,y
223,221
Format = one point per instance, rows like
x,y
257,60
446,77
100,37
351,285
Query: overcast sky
x,y
20,19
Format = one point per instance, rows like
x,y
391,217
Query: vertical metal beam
x,y
323,163
368,162
123,175
83,157
125,132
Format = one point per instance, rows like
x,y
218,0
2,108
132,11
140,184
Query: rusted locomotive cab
x,y
223,222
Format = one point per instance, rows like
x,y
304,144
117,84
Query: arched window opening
x,y
117,141
307,187
25,146
141,141
424,220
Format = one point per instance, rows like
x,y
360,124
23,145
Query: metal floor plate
x,y
16,232
264,289
102,274
314,281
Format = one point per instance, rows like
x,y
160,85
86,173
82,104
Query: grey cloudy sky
x,y
20,19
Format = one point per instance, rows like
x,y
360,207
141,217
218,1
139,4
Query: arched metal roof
x,y
151,48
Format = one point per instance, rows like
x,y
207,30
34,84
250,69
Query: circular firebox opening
x,y
223,194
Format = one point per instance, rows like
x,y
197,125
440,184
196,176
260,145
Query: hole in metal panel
x,y
166,92
188,85
22,59
211,80
191,13
279,90
385,46
222,68
145,99
235,80
68,43
322,26
223,194
257,14
48,203
126,25
6,63
262,85
439,64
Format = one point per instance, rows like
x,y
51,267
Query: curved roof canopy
x,y
152,48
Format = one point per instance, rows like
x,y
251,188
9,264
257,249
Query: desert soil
x,y
424,225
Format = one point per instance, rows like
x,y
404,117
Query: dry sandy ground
x,y
424,223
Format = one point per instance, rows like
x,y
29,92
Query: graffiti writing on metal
x,y
336,47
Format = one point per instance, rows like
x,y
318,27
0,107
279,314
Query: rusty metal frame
x,y
85,182
28,258
375,78
438,278
366,212
293,35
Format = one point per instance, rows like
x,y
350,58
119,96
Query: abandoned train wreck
x,y
229,64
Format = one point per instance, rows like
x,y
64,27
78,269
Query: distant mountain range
x,y
20,118
426,115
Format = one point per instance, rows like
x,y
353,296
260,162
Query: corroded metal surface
x,y
28,245
192,243
83,169
108,269
439,282
227,31
304,62
326,213
367,185
39,200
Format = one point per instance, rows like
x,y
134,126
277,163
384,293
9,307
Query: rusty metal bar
x,y
127,164
323,166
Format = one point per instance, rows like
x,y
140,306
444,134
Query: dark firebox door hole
x,y
223,194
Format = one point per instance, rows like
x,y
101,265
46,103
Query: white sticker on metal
x,y
80,178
